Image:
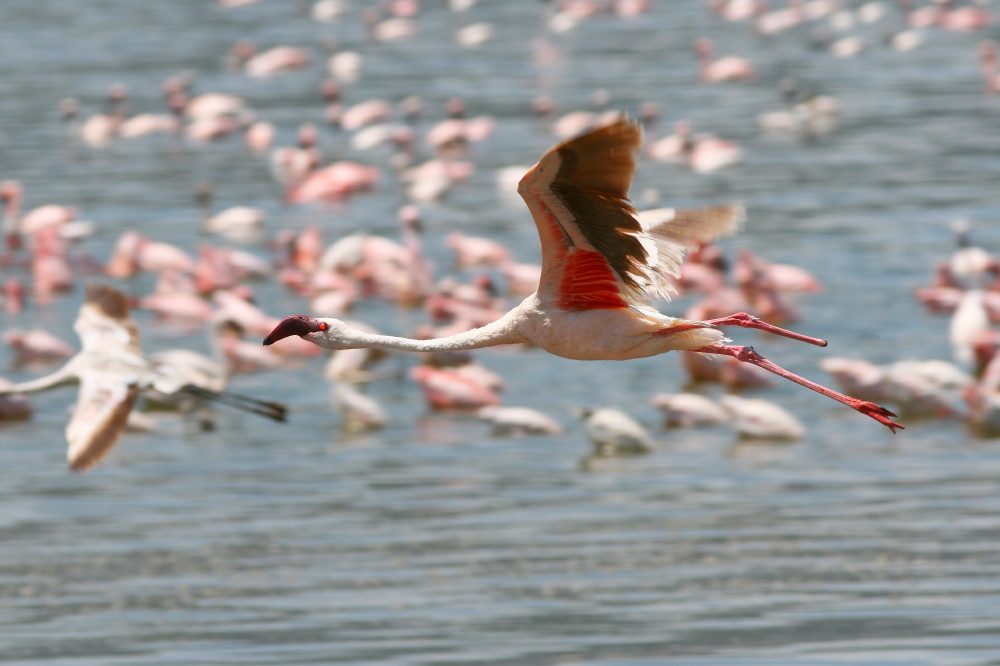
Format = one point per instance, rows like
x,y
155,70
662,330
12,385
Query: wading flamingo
x,y
598,263
112,372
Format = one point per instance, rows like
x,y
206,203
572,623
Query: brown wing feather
x,y
109,301
699,225
104,320
577,196
593,180
98,419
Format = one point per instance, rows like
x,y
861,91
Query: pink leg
x,y
749,321
748,355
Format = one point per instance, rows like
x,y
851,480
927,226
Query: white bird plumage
x,y
112,372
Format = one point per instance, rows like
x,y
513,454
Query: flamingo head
x,y
326,332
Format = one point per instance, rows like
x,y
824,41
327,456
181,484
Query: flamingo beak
x,y
297,325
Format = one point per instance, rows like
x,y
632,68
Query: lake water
x,y
431,542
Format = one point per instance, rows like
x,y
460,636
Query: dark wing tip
x,y
108,300
603,159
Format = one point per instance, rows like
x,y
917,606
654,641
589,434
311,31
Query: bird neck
x,y
500,332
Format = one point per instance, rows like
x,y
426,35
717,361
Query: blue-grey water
x,y
432,542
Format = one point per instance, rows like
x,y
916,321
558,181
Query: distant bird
x,y
598,267
615,433
969,320
518,421
684,410
359,412
239,223
970,262
36,345
451,389
728,68
134,253
112,373
991,71
916,388
761,419
273,61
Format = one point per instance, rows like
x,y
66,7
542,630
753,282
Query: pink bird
x,y
17,226
476,251
13,296
36,345
100,129
332,183
134,253
599,267
703,153
213,104
448,388
434,178
273,61
964,19
728,68
991,71
365,113
50,268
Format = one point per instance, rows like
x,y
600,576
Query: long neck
x,y
500,332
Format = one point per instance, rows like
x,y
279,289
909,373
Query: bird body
x,y
689,409
760,419
615,433
600,266
519,421
112,372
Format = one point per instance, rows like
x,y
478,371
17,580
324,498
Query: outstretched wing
x,y
668,234
577,194
98,419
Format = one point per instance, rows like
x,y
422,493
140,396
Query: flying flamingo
x,y
598,264
112,372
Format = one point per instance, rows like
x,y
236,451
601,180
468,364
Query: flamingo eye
x,y
323,326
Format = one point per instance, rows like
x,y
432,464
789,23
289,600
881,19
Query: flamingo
x,y
761,419
100,129
16,226
450,389
12,300
518,421
683,410
359,411
134,253
240,223
599,267
112,372
729,68
615,433
270,62
991,73
36,345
